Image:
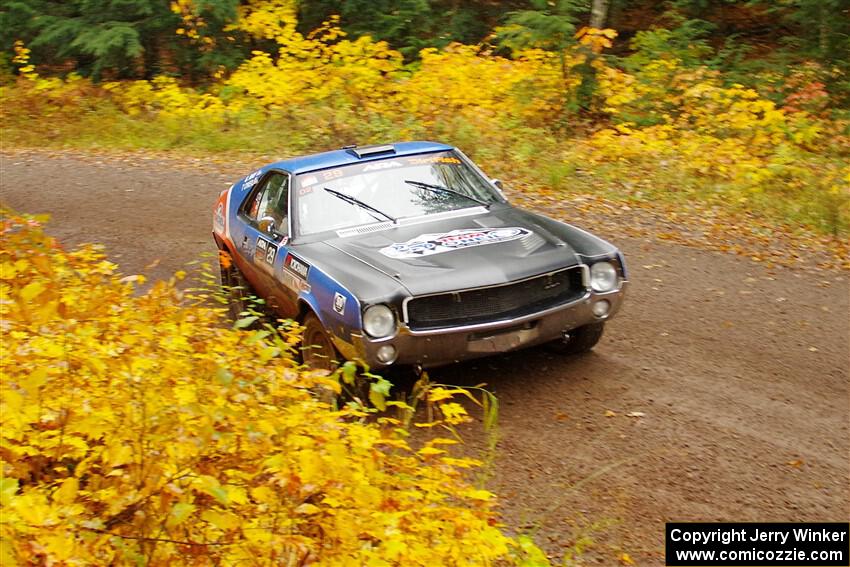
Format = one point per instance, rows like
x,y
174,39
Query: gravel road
x,y
720,392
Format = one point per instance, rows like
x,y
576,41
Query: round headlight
x,y
379,321
603,276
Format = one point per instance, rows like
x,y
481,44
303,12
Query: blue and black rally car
x,y
408,254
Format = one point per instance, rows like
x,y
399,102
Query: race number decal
x,y
264,254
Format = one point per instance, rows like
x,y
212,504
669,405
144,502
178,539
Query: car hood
x,y
461,252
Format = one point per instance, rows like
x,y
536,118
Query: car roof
x,y
349,155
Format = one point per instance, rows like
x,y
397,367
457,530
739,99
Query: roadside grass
x,y
805,208
106,128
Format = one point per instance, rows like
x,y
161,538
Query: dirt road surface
x,y
720,392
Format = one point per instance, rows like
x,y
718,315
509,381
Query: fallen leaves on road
x,y
693,224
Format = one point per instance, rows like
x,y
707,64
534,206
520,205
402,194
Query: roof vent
x,y
366,151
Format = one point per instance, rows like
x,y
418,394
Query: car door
x,y
264,243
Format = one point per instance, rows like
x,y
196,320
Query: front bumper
x,y
445,346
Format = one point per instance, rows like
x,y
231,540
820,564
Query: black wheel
x,y
579,340
237,290
318,351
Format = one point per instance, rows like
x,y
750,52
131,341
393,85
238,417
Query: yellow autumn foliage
x,y
466,80
729,132
322,67
667,127
137,428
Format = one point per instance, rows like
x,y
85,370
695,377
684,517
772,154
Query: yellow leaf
x,y
67,491
461,463
59,547
32,508
332,502
36,379
427,451
443,441
440,394
118,454
236,494
377,400
310,465
307,509
479,494
222,520
210,485
260,538
394,550
263,495
427,424
8,489
186,395
179,513
454,413
32,290
11,402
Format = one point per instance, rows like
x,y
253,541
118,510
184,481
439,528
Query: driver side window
x,y
271,199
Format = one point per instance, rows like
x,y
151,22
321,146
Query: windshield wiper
x,y
355,201
441,189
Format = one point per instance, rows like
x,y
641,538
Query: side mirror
x,y
266,225
498,183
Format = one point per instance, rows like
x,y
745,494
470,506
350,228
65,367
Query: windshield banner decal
x,y
428,244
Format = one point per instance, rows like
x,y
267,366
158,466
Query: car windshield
x,y
388,190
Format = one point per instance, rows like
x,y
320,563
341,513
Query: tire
x,y
236,289
579,340
317,349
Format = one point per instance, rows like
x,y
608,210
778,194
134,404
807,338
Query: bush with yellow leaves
x,y
137,428
696,136
674,130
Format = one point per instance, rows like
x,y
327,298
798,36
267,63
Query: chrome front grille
x,y
496,303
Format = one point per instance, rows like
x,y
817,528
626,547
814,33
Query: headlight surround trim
x,y
379,321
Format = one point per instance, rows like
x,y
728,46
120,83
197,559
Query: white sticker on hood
x,y
428,244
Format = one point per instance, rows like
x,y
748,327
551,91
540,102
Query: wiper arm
x,y
441,189
355,201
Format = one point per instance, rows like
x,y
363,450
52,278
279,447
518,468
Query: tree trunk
x,y
599,13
